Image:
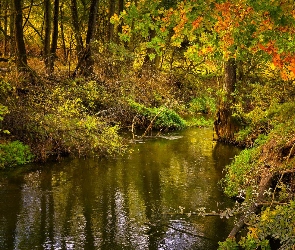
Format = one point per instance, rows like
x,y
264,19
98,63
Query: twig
x,y
151,124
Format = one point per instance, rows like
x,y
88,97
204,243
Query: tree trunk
x,y
65,54
155,62
54,36
47,29
225,125
21,55
120,9
76,27
6,38
110,25
85,63
12,48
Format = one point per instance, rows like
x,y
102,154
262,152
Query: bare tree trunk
x,y
225,125
54,36
47,29
21,55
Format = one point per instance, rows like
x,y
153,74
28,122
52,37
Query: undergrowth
x,y
14,153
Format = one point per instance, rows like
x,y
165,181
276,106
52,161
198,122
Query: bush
x,y
164,117
59,120
204,104
241,173
14,153
200,122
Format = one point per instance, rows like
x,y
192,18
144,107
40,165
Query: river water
x,y
147,199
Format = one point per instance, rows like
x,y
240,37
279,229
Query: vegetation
x,y
73,73
14,153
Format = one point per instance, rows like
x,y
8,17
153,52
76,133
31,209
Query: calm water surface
x,y
131,202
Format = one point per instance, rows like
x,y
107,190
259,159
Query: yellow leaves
x,y
127,5
126,29
115,19
253,232
206,50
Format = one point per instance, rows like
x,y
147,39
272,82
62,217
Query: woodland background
x,y
74,73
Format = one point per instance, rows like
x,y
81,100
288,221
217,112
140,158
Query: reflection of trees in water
x,y
112,204
223,154
10,199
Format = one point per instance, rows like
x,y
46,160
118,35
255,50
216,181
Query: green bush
x,y
204,104
241,173
164,117
14,153
200,122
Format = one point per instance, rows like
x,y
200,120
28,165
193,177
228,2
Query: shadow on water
x,y
143,200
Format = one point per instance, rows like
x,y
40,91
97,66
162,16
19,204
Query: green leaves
x,y
165,117
14,153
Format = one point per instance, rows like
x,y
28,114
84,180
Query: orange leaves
x,y
284,62
277,61
206,50
224,16
269,48
291,66
197,22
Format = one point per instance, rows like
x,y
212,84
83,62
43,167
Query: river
x,y
146,199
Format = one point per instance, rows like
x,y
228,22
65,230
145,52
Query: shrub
x,y
204,104
58,120
164,117
14,153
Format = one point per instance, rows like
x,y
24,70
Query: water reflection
x,y
132,202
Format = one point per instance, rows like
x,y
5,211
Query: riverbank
x,y
84,116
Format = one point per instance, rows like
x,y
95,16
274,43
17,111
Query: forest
x,y
75,73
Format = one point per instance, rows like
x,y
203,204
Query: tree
x,y
54,35
111,12
76,27
21,55
225,125
47,24
85,63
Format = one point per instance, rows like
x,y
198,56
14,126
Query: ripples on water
x,y
133,202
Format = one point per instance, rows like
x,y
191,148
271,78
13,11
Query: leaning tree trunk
x,y
21,55
225,125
